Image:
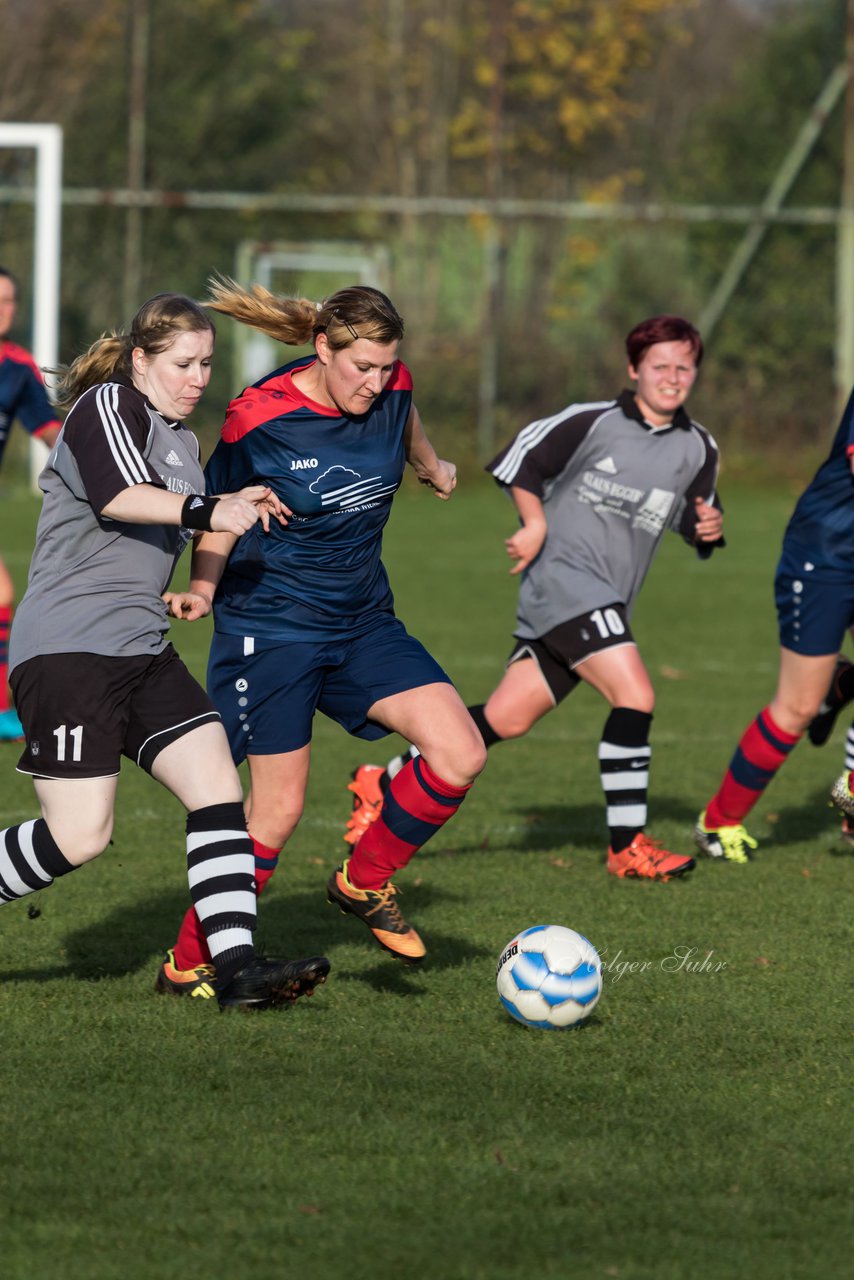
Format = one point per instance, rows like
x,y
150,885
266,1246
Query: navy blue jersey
x,y
819,537
321,576
22,394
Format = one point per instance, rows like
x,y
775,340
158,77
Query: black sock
x,y
490,737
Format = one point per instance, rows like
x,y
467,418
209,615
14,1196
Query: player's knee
x,y
458,759
284,822
81,844
476,761
794,716
510,723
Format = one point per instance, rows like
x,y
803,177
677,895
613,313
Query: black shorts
x,y
566,646
82,712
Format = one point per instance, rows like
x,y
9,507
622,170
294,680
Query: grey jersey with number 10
x,y
95,584
610,485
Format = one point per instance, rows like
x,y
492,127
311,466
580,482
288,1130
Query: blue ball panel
x,y
535,928
527,1022
530,970
582,986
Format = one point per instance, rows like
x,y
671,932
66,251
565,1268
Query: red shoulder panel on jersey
x,y
278,395
11,351
401,378
259,404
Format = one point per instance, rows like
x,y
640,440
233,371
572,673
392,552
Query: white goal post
x,y
46,141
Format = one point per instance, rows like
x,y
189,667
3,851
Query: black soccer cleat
x,y
266,983
821,725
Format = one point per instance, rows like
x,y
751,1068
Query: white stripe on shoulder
x,y
126,456
534,433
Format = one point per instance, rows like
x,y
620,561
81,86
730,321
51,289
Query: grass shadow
x,y
136,934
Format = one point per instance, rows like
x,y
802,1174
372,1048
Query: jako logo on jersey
x,y
303,464
173,460
607,465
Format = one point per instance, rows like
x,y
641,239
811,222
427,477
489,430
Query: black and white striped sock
x,y
395,765
624,756
849,747
30,859
221,872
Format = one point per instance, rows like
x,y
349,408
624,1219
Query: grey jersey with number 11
x,y
610,485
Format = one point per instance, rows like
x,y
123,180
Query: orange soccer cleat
x,y
645,859
367,801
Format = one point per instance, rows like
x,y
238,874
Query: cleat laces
x,y
386,902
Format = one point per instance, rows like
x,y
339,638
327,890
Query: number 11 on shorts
x,y
62,734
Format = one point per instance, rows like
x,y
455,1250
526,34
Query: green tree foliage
x,y
771,357
694,102
491,96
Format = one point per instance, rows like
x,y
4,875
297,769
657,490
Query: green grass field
x,y
399,1123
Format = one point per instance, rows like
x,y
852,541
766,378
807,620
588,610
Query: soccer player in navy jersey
x,y
22,397
304,617
814,591
94,675
596,486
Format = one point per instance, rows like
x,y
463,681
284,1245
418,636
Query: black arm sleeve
x,y
704,486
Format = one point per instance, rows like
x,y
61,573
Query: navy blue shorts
x,y
813,615
267,692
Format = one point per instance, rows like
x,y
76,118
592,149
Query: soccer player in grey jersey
x,y
596,486
93,674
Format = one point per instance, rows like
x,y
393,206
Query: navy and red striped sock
x,y
763,748
417,804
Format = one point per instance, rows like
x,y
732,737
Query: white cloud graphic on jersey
x,y
607,465
349,495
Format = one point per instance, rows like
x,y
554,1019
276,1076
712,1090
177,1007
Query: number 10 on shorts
x,y
608,622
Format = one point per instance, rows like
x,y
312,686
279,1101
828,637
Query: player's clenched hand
x,y
442,479
187,605
710,522
525,545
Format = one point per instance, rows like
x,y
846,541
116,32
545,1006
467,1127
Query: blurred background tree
x,y
628,101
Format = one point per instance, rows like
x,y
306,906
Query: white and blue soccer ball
x,y
550,977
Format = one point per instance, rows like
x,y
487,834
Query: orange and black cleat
x,y
378,909
199,982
